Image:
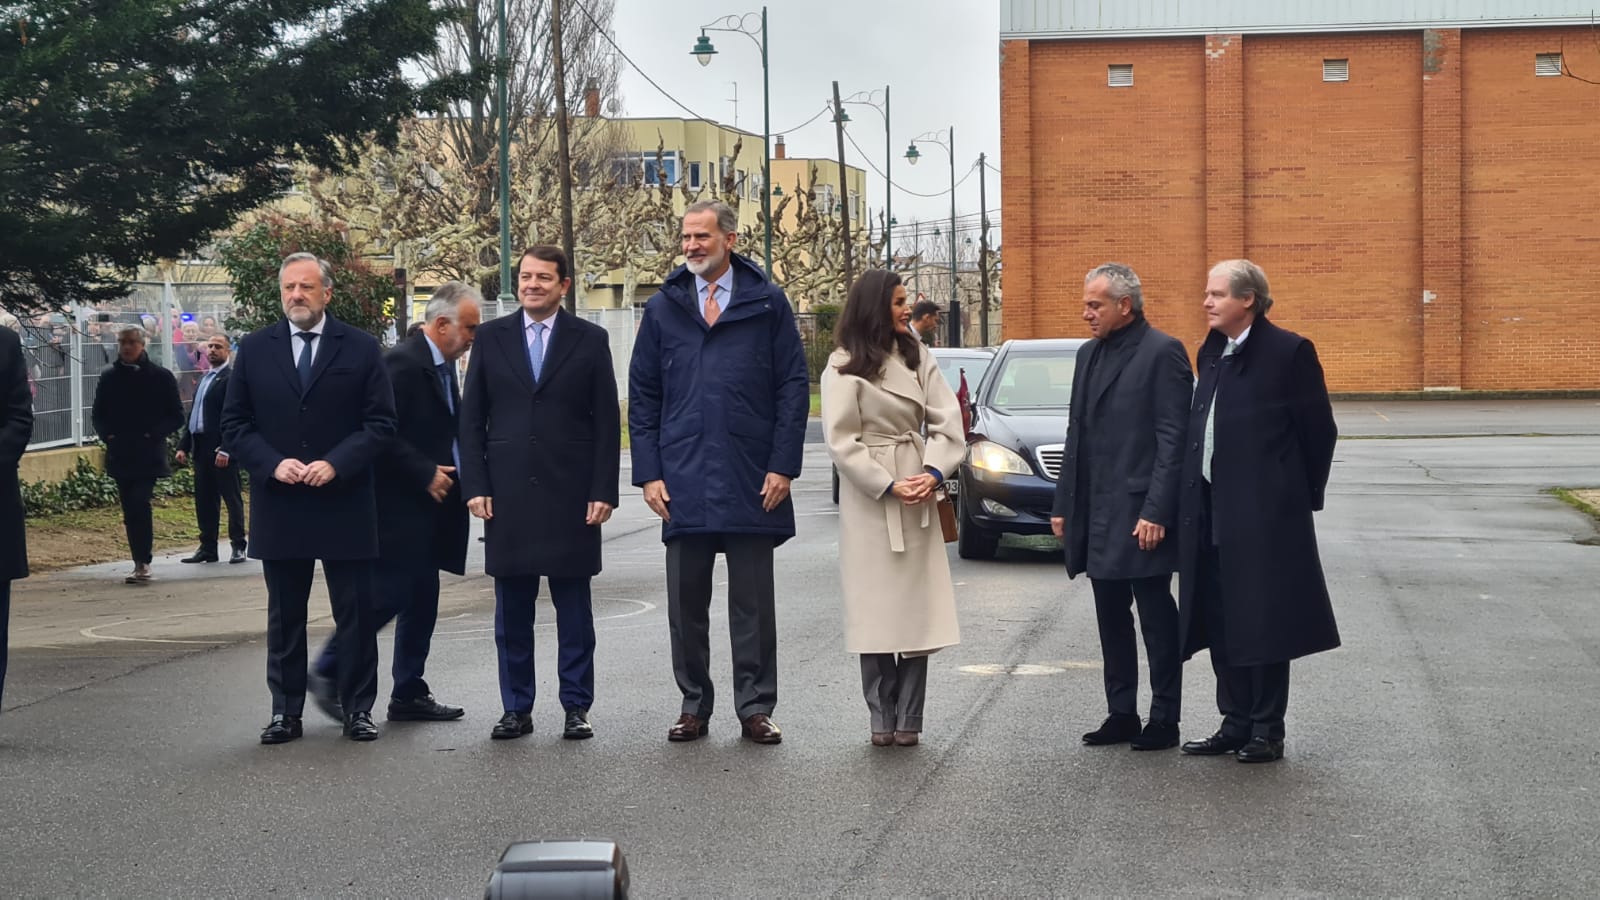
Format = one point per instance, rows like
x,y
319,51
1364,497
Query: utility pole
x,y
506,296
563,152
844,192
983,250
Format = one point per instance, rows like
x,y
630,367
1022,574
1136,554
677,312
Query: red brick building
x,y
1423,194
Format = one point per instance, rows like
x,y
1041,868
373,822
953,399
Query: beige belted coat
x,y
892,564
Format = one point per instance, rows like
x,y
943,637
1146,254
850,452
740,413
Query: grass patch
x,y
1584,500
87,536
816,401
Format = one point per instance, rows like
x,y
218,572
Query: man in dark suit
x,y
136,406
16,429
1260,446
1117,499
925,321
216,479
309,408
540,451
422,520
717,405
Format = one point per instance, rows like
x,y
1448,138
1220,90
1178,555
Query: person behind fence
x,y
880,391
136,406
541,448
717,405
422,520
216,478
1260,447
16,429
309,408
1116,503
925,322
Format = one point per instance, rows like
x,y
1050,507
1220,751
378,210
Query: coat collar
x,y
1126,345
750,295
332,339
515,346
1260,330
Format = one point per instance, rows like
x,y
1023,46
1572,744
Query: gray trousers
x,y
752,621
895,688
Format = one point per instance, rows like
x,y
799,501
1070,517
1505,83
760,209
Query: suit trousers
x,y
514,601
1252,699
752,620
895,688
212,488
355,631
405,592
5,631
1114,599
134,494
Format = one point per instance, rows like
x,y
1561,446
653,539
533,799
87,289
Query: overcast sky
x,y
939,57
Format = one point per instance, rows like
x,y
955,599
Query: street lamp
x,y
703,51
948,142
865,98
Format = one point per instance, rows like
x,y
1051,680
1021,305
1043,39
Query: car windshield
x,y
975,365
1031,381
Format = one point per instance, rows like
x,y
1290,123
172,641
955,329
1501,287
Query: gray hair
x,y
135,330
1122,281
446,300
1245,280
327,270
727,219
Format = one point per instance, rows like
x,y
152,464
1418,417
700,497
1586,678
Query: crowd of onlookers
x,y
49,349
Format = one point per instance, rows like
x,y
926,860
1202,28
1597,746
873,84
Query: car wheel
x,y
835,485
972,542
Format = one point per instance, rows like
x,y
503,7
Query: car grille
x,y
1049,459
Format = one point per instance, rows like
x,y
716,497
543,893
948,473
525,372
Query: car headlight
x,y
992,457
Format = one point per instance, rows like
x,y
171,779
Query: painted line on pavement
x,y
644,607
93,631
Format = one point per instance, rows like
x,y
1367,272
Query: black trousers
x,y
212,487
752,620
355,630
1114,599
5,631
1252,699
405,592
134,494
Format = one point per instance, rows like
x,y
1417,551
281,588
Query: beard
x,y
710,263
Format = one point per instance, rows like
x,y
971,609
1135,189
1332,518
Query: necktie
x,y
1211,420
303,365
713,309
196,419
449,392
536,349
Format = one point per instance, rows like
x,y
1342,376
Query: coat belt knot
x,y
898,453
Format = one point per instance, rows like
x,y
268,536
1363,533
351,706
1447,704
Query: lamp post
x,y
502,94
912,155
703,51
865,98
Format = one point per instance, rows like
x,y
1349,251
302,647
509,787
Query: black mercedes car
x,y
1019,421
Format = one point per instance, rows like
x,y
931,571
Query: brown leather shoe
x,y
906,738
761,729
687,728
882,738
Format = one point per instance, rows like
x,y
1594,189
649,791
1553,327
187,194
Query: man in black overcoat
x,y
135,407
541,438
309,408
16,429
1116,503
216,478
1259,449
422,519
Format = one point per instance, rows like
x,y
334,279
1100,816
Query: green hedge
x,y
89,487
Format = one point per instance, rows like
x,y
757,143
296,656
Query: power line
x,y
873,166
629,60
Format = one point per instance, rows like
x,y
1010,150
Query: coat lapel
x,y
332,341
417,348
515,348
1119,360
560,347
900,380
285,361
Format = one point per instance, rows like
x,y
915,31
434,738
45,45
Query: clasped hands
x,y
774,490
916,489
314,474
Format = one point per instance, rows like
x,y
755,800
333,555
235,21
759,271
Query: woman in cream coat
x,y
881,391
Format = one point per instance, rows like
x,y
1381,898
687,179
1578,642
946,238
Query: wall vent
x,y
1547,64
1119,75
1336,70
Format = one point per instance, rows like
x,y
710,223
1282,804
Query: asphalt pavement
x,y
1443,751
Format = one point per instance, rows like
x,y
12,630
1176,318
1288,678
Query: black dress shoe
x,y
1216,745
1156,736
423,709
577,727
359,727
512,725
201,556
281,730
325,695
1116,729
238,555
1259,750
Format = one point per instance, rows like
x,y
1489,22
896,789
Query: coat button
x,y
1188,521
1191,482
1196,446
533,481
304,444
304,408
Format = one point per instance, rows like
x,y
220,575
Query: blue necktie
x,y
303,367
195,419
449,392
536,350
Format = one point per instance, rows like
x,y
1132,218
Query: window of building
x,y
1547,64
724,172
1120,75
694,176
855,205
1336,70
825,199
